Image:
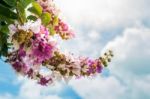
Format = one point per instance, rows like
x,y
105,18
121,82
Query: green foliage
x,y
21,12
46,18
25,3
4,45
8,20
10,10
31,17
7,12
36,9
51,30
11,3
6,4
20,7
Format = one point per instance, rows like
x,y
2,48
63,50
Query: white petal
x,y
12,29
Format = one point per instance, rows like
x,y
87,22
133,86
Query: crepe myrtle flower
x,y
19,67
42,51
44,81
33,26
34,46
30,73
21,52
44,30
64,31
49,6
95,66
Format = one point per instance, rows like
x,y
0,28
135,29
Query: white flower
x,y
12,29
35,27
62,66
30,25
28,61
76,69
56,75
84,68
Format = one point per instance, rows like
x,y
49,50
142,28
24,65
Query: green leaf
x,y
36,9
4,29
46,18
4,4
4,46
4,49
21,12
52,30
7,12
31,17
10,2
25,3
8,20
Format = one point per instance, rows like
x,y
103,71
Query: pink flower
x,y
42,46
94,66
49,6
30,73
44,81
19,67
44,30
21,52
64,26
64,31
42,51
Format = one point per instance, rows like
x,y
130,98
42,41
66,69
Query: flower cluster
x,y
33,47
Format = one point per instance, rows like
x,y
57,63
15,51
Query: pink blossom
x,y
64,31
44,30
44,81
42,51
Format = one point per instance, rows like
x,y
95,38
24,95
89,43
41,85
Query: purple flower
x,y
98,66
90,63
30,73
21,52
17,66
42,51
20,67
94,66
43,81
64,31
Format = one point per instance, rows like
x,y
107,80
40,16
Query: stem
x,y
18,13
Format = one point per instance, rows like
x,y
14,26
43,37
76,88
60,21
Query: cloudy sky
x,y
120,25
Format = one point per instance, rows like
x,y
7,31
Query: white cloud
x,y
92,18
102,88
30,90
141,87
94,35
131,52
131,61
84,43
104,13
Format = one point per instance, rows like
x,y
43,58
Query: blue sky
x,y
120,25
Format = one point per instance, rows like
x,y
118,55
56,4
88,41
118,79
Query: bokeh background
x,y
120,25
